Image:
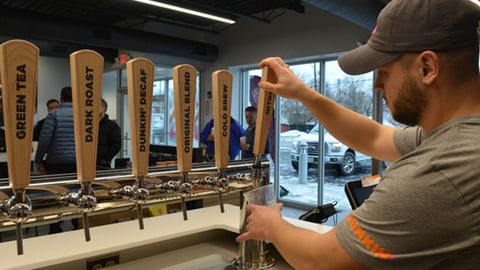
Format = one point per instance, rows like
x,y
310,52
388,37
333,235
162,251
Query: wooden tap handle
x,y
86,71
222,99
140,73
266,100
184,85
19,72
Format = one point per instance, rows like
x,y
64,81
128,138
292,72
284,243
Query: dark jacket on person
x,y
109,142
250,134
37,129
57,137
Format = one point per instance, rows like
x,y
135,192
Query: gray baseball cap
x,y
405,26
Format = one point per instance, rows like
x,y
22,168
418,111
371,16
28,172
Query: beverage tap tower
x,y
18,74
140,94
185,85
253,253
222,101
86,71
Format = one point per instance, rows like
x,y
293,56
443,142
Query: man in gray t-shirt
x,y
425,212
428,196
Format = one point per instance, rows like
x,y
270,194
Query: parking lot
x,y
333,189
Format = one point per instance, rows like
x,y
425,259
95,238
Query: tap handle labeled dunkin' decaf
x,y
184,85
18,76
140,73
266,100
86,71
222,99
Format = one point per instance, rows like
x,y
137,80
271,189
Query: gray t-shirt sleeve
x,y
408,139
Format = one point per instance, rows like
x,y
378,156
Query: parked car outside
x,y
344,159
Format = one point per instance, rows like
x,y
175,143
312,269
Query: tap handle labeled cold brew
x,y
140,90
18,67
266,100
222,97
18,75
86,71
184,85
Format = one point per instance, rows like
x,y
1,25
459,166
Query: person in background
x,y
56,143
109,138
425,211
52,104
247,147
207,138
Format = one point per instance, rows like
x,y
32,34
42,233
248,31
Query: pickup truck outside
x,y
335,154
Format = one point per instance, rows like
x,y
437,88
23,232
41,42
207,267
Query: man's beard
x,y
410,104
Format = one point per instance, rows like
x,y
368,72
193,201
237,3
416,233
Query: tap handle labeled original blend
x,y
184,85
18,76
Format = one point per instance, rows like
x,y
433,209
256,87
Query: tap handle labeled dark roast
x,y
86,71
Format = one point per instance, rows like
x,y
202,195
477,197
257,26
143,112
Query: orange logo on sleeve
x,y
365,239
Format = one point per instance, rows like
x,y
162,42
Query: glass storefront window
x,y
323,183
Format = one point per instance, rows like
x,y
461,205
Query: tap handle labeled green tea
x,y
18,67
18,76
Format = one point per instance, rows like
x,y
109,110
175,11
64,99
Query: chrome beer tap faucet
x,y
185,87
18,209
140,95
138,193
85,201
222,101
18,75
86,69
182,188
184,184
219,183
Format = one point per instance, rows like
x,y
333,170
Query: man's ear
x,y
430,64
